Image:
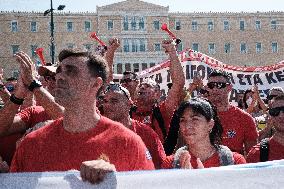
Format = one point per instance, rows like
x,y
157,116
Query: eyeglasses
x,y
270,97
128,80
276,111
218,85
49,78
116,87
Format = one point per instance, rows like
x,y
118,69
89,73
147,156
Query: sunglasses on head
x,y
49,78
128,80
115,87
276,111
270,97
218,85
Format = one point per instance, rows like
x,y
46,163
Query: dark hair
x,y
204,107
11,79
221,73
134,75
97,65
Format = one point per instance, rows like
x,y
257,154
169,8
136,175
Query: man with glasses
x,y
239,129
271,148
116,106
130,81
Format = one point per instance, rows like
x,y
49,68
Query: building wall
x,y
135,61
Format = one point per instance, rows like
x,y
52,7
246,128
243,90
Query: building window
x,y
14,26
177,25
157,47
15,48
179,47
152,65
258,47
211,48
119,68
109,25
134,45
273,25
226,26
142,45
125,45
242,25
49,26
87,26
127,67
69,26
194,26
88,47
210,26
156,25
125,23
133,23
195,46
144,66
243,48
136,67
141,24
227,47
257,25
33,50
274,46
33,27
70,45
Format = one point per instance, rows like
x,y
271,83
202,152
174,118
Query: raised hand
x,y
114,43
169,46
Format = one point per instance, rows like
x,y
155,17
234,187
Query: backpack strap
x,y
176,162
158,116
264,150
225,155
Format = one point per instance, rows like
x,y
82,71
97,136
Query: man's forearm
x,y
46,100
176,70
109,58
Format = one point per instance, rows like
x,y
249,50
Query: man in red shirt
x,y
116,105
130,82
239,129
82,134
275,144
14,124
149,111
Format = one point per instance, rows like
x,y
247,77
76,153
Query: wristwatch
x,y
34,84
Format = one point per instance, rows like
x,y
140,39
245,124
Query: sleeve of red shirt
x,y
238,158
250,128
33,115
168,162
17,162
136,156
254,154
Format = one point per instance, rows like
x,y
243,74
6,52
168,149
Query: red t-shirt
x,y
147,119
238,127
152,142
276,152
52,148
31,116
213,161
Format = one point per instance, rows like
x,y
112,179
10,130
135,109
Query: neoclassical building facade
x,y
245,39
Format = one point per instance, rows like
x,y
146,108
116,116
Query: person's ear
x,y
96,83
211,124
229,87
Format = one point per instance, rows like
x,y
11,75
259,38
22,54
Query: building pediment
x,y
133,5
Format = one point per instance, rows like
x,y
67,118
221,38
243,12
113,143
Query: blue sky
x,y
174,5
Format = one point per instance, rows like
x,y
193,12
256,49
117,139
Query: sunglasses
x,y
10,88
218,85
203,91
128,80
270,97
276,111
116,87
49,78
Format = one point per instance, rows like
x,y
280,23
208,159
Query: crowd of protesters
x,y
72,116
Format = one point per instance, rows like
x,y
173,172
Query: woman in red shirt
x,y
201,131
